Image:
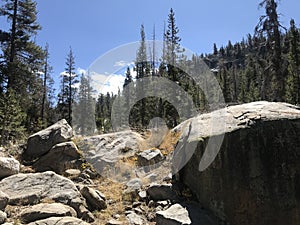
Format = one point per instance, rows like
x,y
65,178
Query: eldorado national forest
x,y
188,138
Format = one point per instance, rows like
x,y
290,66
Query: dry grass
x,y
113,192
12,212
169,142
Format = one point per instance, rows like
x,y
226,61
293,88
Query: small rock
x,y
114,222
81,210
160,192
142,195
168,178
135,219
3,200
128,207
131,192
43,211
84,176
72,172
117,216
151,204
176,214
163,203
127,212
134,184
138,211
136,204
150,157
8,167
94,198
92,174
3,217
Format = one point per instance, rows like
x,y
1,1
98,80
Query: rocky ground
x,y
52,183
125,177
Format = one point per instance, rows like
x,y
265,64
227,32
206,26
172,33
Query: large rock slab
x,y
253,176
41,142
59,221
104,151
30,189
61,157
8,167
44,211
25,189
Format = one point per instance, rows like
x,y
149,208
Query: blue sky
x,y
94,27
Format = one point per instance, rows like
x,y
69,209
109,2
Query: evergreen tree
x,y
48,91
11,118
293,80
22,56
173,48
215,50
84,110
126,90
269,25
100,112
142,68
173,55
141,63
68,88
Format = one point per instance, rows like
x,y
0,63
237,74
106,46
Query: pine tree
x,y
215,49
126,90
68,89
142,68
173,55
84,110
48,90
141,63
270,26
173,48
23,57
293,80
11,118
100,112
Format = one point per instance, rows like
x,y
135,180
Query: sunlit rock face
x,y
255,176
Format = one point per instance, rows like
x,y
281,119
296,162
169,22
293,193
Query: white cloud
x,y
103,83
121,63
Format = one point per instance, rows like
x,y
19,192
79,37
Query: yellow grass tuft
x,y
113,192
169,143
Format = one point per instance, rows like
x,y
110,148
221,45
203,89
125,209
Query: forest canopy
x,y
262,66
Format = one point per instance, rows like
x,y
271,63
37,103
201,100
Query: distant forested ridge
x,y
264,65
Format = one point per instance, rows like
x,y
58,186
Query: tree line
x,y
28,100
263,66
